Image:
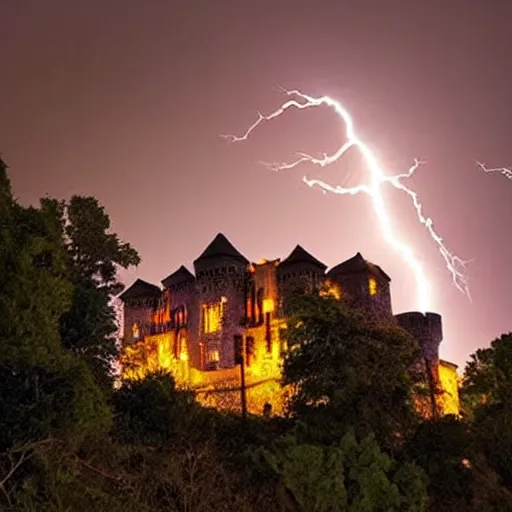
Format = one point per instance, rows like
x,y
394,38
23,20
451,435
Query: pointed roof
x,y
141,289
357,264
300,255
221,246
182,275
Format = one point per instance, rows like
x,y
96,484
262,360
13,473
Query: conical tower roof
x,y
357,264
140,289
221,246
300,255
182,275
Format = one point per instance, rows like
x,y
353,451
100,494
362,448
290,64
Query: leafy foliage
x,y
34,291
487,398
353,476
488,375
346,372
95,252
352,440
94,255
151,411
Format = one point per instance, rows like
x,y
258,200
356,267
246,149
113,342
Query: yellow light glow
x,y
449,397
263,376
268,305
372,286
331,289
212,316
135,331
214,356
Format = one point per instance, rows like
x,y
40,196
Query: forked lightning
x,y
455,265
505,171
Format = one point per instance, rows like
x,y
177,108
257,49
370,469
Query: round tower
x,y
365,284
139,303
427,329
220,280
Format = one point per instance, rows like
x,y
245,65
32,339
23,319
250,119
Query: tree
x,y
488,375
351,476
347,372
487,398
94,255
441,448
44,392
151,410
34,290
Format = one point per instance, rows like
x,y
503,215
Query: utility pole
x,y
240,359
432,389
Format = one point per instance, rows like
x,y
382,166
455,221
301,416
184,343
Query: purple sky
x,y
125,100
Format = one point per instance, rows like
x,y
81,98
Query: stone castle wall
x,y
251,296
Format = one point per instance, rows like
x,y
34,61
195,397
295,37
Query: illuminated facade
x,y
192,326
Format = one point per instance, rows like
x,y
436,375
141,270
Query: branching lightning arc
x,y
506,171
454,264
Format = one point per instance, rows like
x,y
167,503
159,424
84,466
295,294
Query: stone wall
x,y
427,329
355,288
218,279
138,311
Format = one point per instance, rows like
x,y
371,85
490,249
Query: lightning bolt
x,y
506,171
301,101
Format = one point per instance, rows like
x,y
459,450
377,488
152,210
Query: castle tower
x,y
300,269
427,330
221,273
364,284
140,301
180,292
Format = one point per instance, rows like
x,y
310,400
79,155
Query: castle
x,y
193,326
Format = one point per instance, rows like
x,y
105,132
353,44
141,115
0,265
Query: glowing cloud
x,y
454,264
505,171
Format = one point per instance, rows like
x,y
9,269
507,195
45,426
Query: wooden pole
x,y
432,389
240,350
243,397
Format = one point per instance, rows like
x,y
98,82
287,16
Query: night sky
x,y
125,100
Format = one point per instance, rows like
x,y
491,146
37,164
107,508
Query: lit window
x,y
135,331
268,305
212,316
213,356
372,286
331,289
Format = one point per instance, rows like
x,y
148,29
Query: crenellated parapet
x,y
427,329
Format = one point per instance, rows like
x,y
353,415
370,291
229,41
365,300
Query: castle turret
x,y
427,329
364,284
140,301
180,292
221,273
300,270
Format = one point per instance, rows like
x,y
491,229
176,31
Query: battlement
x,y
426,328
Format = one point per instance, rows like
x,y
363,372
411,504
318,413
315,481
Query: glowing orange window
x,y
372,286
212,316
